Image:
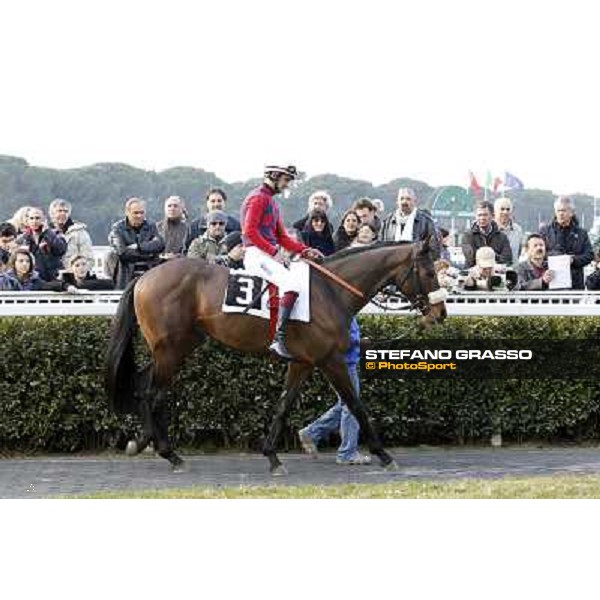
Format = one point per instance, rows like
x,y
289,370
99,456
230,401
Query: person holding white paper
x,y
563,236
560,264
533,273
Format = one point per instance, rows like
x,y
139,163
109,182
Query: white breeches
x,y
260,263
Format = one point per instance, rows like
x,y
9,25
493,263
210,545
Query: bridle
x,y
418,301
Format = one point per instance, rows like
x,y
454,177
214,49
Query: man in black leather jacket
x,y
136,242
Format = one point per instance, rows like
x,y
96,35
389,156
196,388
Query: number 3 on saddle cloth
x,y
243,289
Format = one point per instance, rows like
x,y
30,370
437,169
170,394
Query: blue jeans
x,y
338,417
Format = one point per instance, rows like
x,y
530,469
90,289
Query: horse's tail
x,y
121,370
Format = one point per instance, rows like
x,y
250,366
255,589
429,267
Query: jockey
x,y
262,231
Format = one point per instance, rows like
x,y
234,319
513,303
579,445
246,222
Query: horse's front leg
x,y
336,372
296,376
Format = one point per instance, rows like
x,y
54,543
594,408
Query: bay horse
x,y
177,304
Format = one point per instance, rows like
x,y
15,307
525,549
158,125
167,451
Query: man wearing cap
x,y
262,232
216,199
208,245
480,274
409,223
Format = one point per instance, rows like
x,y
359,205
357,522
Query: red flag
x,y
497,183
474,186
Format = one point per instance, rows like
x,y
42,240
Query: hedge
x,y
52,396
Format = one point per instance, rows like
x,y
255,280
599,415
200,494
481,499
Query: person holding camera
x,y
487,275
533,274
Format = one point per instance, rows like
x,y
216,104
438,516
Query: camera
x,y
501,279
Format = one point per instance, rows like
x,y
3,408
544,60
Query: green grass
x,y
565,486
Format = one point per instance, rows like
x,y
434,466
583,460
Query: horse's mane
x,y
361,249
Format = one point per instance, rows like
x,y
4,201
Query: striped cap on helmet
x,y
290,171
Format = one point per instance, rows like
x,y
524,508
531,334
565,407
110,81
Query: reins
x,y
418,303
341,282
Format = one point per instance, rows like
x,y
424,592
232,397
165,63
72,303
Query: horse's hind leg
x,y
296,375
144,386
336,372
168,355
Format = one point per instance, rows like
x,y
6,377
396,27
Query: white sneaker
x,y
356,459
307,444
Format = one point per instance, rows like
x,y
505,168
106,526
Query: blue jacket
x,y
10,282
353,352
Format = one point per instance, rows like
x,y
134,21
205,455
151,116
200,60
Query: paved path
x,y
54,476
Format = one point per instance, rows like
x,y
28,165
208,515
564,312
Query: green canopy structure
x,y
452,202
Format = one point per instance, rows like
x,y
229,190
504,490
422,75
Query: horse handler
x,y
262,231
338,417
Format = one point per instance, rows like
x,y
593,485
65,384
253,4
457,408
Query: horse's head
x,y
418,282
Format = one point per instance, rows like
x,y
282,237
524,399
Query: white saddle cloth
x,y
243,286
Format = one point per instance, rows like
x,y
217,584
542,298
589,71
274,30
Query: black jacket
x,y
91,282
341,239
198,228
4,256
149,244
572,240
48,251
475,239
322,241
423,227
592,281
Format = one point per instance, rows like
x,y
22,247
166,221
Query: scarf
x,y
404,226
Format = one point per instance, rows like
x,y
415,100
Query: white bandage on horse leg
x,y
437,296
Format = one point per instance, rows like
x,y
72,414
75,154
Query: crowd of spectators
x,y
55,252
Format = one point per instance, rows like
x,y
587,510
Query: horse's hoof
x,y
279,471
392,467
132,448
180,467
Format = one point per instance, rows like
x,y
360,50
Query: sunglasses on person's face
x,y
218,223
406,198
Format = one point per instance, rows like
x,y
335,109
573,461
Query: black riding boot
x,y
285,310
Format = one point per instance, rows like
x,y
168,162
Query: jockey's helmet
x,y
273,172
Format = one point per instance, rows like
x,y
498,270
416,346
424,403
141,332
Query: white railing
x,y
62,304
463,304
511,304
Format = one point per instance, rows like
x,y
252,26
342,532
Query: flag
x,y
497,183
474,186
510,181
488,184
